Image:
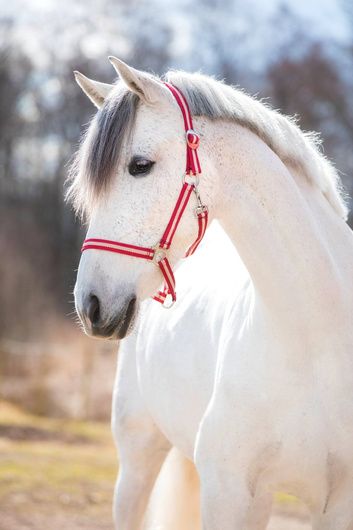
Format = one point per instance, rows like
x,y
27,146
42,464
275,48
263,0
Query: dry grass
x,y
51,484
60,474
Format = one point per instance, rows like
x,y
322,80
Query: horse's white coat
x,y
189,338
251,377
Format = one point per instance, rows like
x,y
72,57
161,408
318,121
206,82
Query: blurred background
x,y
295,53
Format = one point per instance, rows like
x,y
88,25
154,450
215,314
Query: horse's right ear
x,y
146,86
96,91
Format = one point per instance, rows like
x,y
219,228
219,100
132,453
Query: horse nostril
x,y
93,312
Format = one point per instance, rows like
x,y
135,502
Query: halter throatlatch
x,y
158,253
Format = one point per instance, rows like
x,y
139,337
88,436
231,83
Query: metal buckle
x,y
158,250
197,178
201,209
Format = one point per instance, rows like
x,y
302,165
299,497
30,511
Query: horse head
x,y
127,177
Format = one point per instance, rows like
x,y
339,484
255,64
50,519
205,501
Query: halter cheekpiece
x,y
159,253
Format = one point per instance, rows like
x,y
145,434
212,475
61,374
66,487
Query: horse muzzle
x,y
100,325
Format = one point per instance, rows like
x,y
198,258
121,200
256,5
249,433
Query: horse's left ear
x,y
96,91
146,86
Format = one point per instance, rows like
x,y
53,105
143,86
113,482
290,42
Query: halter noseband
x,y
158,254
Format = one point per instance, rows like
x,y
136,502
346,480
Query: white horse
x,y
253,380
180,374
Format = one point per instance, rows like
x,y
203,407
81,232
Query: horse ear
x,y
146,86
96,91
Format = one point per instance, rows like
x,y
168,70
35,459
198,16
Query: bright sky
x,y
326,16
259,19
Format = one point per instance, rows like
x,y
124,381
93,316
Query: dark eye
x,y
140,167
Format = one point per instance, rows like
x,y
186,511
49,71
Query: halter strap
x,y
158,253
192,139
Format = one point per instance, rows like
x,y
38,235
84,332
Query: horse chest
x,y
177,383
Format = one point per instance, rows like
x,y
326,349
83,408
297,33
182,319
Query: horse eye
x,y
140,166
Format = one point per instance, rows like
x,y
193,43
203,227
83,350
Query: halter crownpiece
x,y
159,253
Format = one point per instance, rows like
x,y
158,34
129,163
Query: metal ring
x,y
168,306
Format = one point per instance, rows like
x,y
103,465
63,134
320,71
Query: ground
x,y
60,475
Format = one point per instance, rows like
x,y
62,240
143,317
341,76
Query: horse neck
x,y
295,247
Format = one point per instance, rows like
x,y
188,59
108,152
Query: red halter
x,y
158,253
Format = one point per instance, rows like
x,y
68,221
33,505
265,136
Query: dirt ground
x,y
60,475
56,522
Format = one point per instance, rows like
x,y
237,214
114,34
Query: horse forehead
x,y
156,122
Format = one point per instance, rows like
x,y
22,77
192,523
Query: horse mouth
x,y
121,327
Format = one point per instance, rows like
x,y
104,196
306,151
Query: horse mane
x,y
214,99
97,157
